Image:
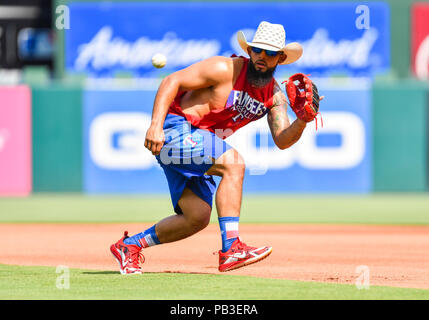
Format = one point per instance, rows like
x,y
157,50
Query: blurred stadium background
x,y
76,94
77,88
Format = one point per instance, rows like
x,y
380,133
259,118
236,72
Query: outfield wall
x,y
57,138
400,126
15,141
374,138
89,138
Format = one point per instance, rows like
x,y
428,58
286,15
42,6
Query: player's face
x,y
263,60
261,67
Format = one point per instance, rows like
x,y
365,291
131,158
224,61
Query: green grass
x,y
30,283
343,209
18,282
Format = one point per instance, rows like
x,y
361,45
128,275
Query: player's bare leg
x,y
196,212
195,217
234,254
230,166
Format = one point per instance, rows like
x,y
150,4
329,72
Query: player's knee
x,y
231,163
235,171
234,165
200,220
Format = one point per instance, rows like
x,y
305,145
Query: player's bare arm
x,y
208,73
283,132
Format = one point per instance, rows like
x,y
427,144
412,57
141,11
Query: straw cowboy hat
x,y
270,36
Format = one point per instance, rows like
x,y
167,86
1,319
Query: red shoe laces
x,y
239,246
243,246
136,258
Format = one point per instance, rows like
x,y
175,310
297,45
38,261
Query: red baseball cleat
x,y
128,256
240,255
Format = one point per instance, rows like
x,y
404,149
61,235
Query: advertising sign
x,y
420,40
15,141
115,158
333,158
107,38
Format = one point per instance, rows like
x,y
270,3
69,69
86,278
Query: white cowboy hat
x,y
270,36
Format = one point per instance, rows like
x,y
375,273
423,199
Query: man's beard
x,y
259,78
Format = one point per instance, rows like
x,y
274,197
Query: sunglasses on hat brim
x,y
269,53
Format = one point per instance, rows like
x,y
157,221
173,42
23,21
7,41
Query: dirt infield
x,y
395,255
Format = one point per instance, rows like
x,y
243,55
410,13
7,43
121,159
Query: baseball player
x,y
195,109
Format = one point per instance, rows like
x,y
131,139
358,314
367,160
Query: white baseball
x,y
159,60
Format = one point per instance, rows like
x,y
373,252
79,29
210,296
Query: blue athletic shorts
x,y
187,154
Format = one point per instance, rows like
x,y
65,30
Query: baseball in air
x,y
159,60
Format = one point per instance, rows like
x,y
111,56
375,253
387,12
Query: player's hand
x,y
154,140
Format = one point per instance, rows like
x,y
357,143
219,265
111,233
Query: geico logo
x,y
306,152
116,141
